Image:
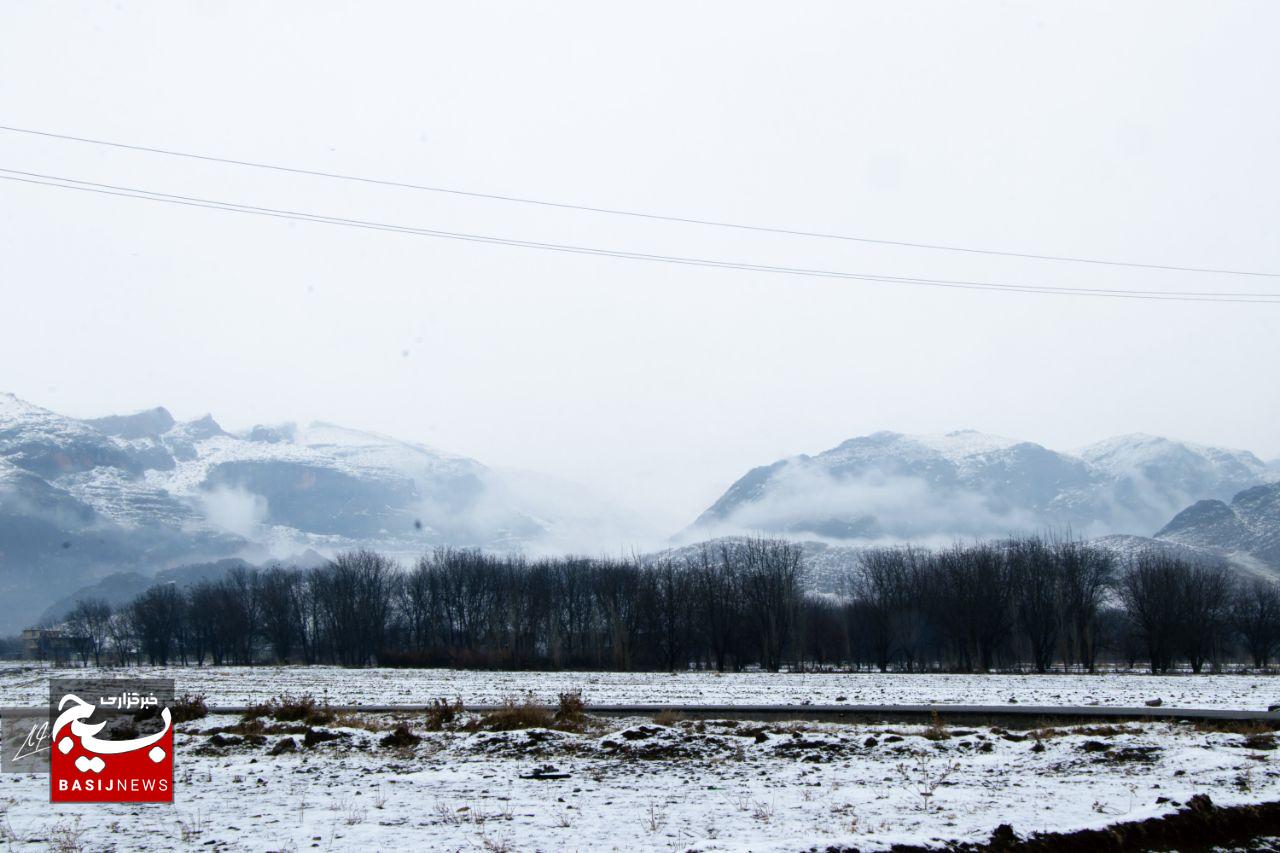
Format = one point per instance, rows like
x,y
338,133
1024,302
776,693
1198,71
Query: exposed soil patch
x,y
284,745
654,743
1260,741
256,727
218,742
315,736
400,738
535,743
1140,754
1201,826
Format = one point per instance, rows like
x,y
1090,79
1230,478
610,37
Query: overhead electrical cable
x,y
303,216
687,220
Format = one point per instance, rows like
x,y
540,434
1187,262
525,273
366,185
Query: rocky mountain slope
x,y
80,499
891,486
1248,527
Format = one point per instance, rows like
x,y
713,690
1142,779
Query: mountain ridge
x,y
1247,525
890,485
143,492
84,498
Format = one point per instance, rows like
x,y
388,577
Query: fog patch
x,y
575,519
538,515
874,506
234,510
484,518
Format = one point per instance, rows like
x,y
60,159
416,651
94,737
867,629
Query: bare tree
x,y
1255,613
672,591
771,574
1037,595
90,619
354,594
1086,574
123,638
719,606
281,619
157,616
973,593
1206,598
1153,592
882,586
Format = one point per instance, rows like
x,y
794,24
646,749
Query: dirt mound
x,y
656,743
401,738
1199,826
530,742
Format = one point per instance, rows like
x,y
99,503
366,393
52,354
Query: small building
x,y
46,644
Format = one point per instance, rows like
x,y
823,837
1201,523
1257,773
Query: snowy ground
x,y
27,685
634,785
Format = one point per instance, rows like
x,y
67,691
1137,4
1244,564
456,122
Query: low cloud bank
x,y
873,507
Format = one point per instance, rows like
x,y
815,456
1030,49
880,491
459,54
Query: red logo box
x,y
94,760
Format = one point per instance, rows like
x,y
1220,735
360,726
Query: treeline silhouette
x,y
1022,604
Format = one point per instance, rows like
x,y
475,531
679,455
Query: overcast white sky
x,y
1144,131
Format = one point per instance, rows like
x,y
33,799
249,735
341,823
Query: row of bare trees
x,y
1030,603
1042,604
1198,612
737,605
1022,602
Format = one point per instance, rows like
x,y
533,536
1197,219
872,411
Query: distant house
x,y
47,644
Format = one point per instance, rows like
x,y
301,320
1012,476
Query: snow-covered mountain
x,y
1247,528
891,486
1149,474
80,499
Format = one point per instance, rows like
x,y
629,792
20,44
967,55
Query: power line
x,y
687,220
303,216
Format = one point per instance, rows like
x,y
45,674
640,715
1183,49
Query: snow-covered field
x,y
27,685
634,785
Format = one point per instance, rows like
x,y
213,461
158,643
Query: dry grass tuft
x,y
187,708
349,720
936,730
67,837
1104,731
513,715
442,714
291,709
571,711
1049,732
1263,741
1237,727
668,717
303,709
569,715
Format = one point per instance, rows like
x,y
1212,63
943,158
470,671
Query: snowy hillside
x,y
147,469
83,498
890,486
1246,528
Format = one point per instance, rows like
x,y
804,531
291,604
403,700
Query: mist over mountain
x,y
82,499
106,503
889,486
1246,528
